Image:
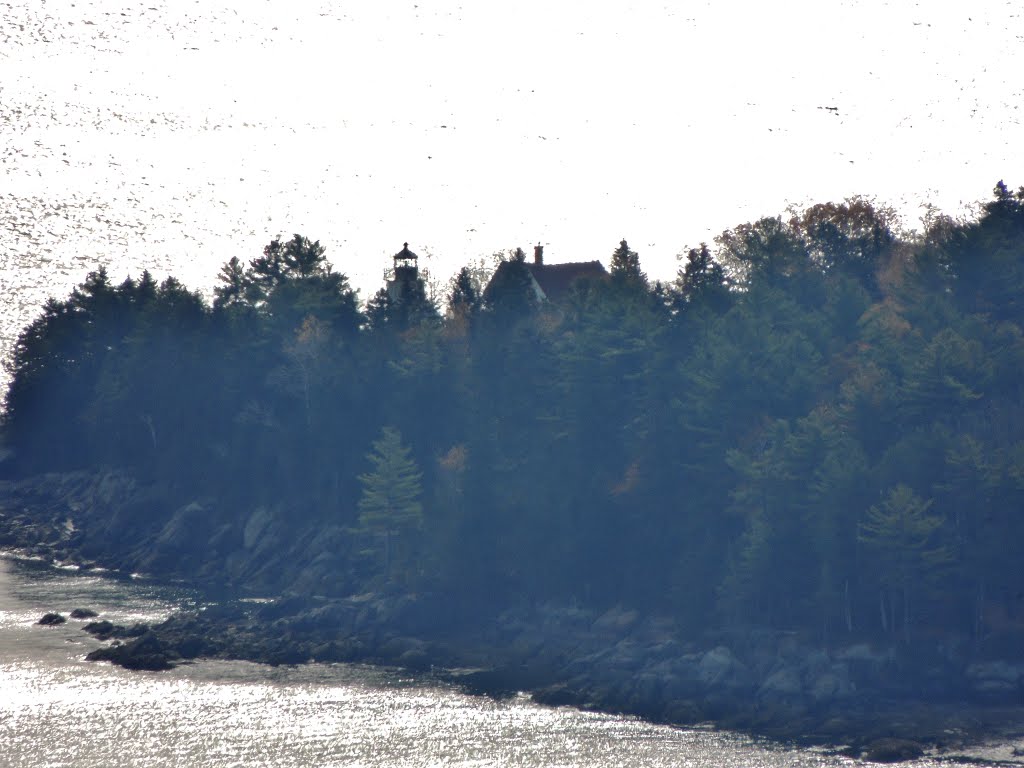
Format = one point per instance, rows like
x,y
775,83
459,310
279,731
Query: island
x,y
780,493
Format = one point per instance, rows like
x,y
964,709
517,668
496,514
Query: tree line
x,y
818,425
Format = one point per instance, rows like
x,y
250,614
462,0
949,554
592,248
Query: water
x,y
58,710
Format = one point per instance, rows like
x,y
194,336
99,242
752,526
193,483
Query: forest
x,y
817,426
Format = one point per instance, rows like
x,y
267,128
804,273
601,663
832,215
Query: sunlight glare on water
x,y
238,714
58,710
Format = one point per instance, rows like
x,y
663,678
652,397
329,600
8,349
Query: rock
x,y
997,680
288,655
719,667
192,647
135,630
557,695
415,659
504,681
51,620
144,653
830,685
783,684
616,621
257,524
336,617
626,656
182,542
393,649
104,630
682,712
891,750
645,695
83,613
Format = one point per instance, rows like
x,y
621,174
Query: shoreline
x,y
888,703
294,631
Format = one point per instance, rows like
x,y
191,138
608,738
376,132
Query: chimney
x,y
538,254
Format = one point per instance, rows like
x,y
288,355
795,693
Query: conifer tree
x,y
900,535
626,265
390,505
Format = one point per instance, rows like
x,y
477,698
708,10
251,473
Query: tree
x,y
626,266
379,310
390,505
854,236
307,354
767,250
900,535
702,283
464,296
510,295
231,291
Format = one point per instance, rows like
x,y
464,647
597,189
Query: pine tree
x,y
900,535
626,265
464,298
702,283
390,505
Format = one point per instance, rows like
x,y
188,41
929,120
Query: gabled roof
x,y
555,280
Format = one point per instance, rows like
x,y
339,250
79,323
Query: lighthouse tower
x,y
404,275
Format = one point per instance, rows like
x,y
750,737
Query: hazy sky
x,y
175,135
476,127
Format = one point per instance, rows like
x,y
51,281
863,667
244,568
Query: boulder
x,y
182,542
719,668
831,684
51,620
104,630
782,685
83,613
998,680
891,750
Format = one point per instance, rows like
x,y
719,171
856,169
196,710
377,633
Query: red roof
x,y
556,279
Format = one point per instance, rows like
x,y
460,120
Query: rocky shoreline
x,y
882,703
618,662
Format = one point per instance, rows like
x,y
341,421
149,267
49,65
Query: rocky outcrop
x,y
105,630
51,620
107,517
146,652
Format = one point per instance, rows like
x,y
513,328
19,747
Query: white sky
x,y
198,131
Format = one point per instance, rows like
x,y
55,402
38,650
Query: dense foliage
x,y
818,426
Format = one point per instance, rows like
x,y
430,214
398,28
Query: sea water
x,y
56,709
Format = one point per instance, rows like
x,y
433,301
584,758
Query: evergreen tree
x,y
231,290
626,266
510,296
900,535
702,283
390,504
464,298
